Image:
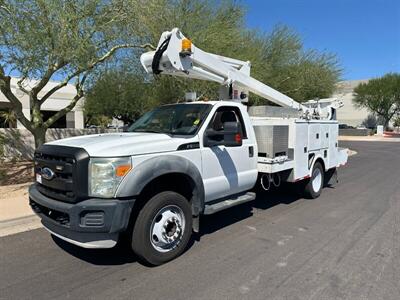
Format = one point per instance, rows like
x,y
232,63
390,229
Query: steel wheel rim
x,y
317,180
167,228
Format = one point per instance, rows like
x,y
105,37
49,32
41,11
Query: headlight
x,y
105,175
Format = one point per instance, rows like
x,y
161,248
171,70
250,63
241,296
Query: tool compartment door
x,y
325,135
333,145
314,136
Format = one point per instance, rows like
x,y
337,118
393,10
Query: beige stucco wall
x,y
349,114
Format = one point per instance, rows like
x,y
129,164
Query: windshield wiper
x,y
149,131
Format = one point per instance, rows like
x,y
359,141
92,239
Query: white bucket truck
x,y
183,160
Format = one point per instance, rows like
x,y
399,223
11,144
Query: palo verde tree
x,y
41,40
381,96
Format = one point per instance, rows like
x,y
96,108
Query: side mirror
x,y
229,136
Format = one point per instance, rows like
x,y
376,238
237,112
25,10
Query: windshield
x,y
179,119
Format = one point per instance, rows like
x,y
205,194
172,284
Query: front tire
x,y
163,228
315,184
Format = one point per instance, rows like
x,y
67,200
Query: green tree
x,y
380,95
68,40
9,118
97,120
370,121
396,122
278,58
120,95
124,92
285,65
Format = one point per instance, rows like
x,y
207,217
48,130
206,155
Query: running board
x,y
228,202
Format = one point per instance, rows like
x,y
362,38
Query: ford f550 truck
x,y
184,160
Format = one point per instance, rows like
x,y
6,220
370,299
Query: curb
x,y
17,225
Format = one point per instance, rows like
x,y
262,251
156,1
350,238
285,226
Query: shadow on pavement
x,y
121,254
265,200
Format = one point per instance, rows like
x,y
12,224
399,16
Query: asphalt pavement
x,y
343,245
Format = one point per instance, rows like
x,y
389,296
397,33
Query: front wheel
x,y
163,228
315,184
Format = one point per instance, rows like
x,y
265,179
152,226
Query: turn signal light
x,y
122,170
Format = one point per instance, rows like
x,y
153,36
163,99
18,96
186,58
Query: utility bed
x,y
288,143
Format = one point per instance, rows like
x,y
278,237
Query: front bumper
x,y
92,223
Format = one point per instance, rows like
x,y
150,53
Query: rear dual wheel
x,y
163,228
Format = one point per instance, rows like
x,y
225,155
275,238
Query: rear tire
x,y
162,229
315,184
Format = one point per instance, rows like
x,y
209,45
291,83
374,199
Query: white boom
x,y
171,59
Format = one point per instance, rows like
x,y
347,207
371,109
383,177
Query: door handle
x,y
251,151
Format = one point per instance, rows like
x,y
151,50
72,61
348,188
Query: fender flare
x,y
314,159
141,175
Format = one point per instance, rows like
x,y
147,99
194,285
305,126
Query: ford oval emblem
x,y
47,173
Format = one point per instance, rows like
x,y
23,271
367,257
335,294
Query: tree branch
x,y
63,111
90,66
5,88
286,79
117,47
47,76
79,84
59,86
80,93
2,6
293,90
21,87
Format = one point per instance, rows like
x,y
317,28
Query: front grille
x,y
61,185
69,166
58,216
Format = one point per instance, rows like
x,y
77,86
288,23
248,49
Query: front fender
x,y
136,180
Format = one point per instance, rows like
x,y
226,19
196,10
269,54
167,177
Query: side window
x,y
228,114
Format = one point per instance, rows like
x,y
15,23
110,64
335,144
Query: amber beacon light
x,y
186,47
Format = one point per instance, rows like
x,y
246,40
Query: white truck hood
x,y
122,144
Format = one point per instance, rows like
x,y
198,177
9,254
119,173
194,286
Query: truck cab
x,y
87,187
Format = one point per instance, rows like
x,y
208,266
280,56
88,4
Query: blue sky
x,y
365,34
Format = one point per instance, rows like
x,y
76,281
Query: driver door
x,y
228,170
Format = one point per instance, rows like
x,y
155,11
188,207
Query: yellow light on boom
x,y
186,47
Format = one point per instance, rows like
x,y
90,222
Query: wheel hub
x,y
167,228
172,229
317,180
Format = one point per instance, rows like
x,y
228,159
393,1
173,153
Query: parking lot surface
x,y
343,245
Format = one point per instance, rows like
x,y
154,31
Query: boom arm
x,y
171,58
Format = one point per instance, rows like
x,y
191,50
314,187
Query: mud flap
x,y
196,223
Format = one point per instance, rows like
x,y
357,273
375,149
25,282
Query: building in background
x,y
59,100
349,114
